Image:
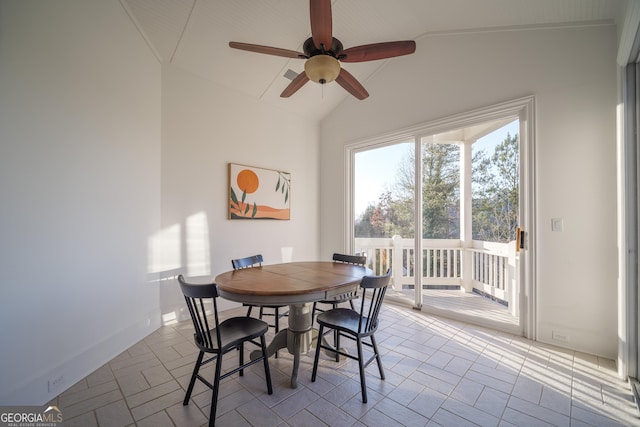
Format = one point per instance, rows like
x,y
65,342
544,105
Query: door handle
x,y
519,239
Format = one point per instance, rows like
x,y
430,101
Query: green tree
x,y
363,224
382,218
440,190
495,192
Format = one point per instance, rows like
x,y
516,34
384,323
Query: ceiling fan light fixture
x,y
322,68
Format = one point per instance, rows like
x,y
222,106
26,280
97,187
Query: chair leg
x,y
353,307
260,315
248,315
363,385
276,324
265,360
216,387
317,356
378,359
336,337
241,358
193,378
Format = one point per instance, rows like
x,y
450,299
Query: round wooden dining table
x,y
298,285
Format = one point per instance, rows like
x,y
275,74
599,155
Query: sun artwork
x,y
248,181
257,193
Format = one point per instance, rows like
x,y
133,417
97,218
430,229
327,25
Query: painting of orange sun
x,y
258,193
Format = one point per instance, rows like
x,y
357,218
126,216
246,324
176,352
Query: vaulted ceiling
x,y
195,34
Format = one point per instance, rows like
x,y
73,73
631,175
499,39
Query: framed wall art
x,y
257,193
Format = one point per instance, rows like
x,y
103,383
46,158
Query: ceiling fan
x,y
324,53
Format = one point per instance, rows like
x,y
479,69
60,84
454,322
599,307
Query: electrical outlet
x,y
55,384
559,336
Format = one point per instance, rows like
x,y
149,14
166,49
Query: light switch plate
x,y
557,224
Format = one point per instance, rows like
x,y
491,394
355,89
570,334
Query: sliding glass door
x,y
443,209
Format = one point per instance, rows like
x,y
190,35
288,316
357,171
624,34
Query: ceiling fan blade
x,y
267,50
321,25
295,84
372,52
351,85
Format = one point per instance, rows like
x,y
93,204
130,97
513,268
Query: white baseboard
x,y
35,391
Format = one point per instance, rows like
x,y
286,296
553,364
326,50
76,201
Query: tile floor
x,y
466,306
438,373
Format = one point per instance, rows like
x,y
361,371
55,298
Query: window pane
x,y
383,191
495,185
440,191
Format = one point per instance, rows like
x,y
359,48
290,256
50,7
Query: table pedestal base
x,y
297,338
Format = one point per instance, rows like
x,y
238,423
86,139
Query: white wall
x,y
572,73
79,189
206,126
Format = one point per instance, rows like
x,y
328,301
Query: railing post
x,y
466,203
396,264
511,290
466,275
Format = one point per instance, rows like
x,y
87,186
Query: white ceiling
x,y
194,35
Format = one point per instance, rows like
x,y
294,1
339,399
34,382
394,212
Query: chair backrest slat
x,y
350,259
203,323
250,261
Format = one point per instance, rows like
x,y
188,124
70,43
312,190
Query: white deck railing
x,y
490,270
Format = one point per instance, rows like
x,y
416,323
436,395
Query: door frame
x,y
524,110
628,161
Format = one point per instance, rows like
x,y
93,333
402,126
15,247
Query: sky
x,y
376,170
375,173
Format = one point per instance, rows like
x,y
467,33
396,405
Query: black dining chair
x,y
355,326
256,261
218,338
346,296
